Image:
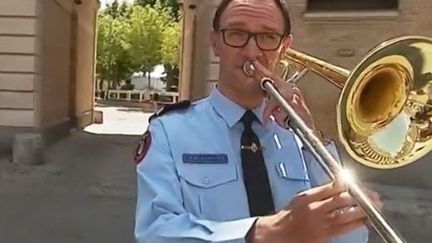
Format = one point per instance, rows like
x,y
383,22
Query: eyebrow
x,y
242,24
270,29
236,23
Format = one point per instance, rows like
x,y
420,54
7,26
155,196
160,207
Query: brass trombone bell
x,y
384,113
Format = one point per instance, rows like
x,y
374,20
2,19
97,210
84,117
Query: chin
x,y
252,87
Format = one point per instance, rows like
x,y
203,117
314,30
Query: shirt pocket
x,y
208,175
292,178
292,171
210,191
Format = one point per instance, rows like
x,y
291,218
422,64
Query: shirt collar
x,y
230,111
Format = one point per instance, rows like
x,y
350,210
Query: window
x,y
341,5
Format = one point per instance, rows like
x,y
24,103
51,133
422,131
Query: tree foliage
x,y
171,54
171,5
113,63
136,38
145,37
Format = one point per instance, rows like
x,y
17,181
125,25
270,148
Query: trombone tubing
x,y
326,160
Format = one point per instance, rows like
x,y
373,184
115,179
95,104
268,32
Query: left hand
x,y
374,197
292,95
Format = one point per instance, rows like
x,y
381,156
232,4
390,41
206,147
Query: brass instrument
x,y
384,113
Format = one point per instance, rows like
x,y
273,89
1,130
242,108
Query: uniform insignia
x,y
170,107
254,147
282,171
205,158
143,147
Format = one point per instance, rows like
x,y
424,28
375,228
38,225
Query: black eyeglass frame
x,y
254,35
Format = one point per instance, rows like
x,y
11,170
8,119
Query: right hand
x,y
291,93
313,216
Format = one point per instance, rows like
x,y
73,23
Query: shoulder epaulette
x,y
171,107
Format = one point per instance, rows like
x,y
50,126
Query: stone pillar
x,y
188,8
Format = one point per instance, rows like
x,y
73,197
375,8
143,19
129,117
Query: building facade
x,y
47,52
338,31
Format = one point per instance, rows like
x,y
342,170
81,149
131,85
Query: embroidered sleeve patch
x,y
143,147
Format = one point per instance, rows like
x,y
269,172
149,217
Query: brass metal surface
x,y
384,112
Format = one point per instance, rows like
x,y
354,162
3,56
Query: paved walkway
x,y
120,121
84,193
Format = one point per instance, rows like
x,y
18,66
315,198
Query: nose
x,y
251,49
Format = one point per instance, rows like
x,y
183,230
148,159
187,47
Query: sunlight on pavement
x,y
120,120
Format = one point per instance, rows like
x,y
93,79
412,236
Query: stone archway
x,y
47,66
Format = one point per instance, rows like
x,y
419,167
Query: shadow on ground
x,y
84,193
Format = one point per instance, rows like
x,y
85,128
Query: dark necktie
x,y
254,170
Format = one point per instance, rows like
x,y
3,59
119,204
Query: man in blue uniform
x,y
226,168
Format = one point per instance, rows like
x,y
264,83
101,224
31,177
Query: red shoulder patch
x,y
143,147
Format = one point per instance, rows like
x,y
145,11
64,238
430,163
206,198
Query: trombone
x,y
384,113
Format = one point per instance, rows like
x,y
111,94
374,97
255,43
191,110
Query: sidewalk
x,y
120,120
84,193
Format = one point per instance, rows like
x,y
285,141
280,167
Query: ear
x,y
214,39
287,43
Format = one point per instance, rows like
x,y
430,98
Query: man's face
x,y
238,21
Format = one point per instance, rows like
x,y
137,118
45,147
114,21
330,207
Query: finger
x,y
288,94
293,99
344,228
379,204
280,117
270,108
374,196
275,109
342,200
321,192
297,96
261,70
340,183
267,73
346,216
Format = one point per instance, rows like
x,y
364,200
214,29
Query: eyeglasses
x,y
266,41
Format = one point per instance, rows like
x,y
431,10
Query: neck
x,y
244,99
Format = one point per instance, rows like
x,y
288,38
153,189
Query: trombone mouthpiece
x,y
248,68
264,81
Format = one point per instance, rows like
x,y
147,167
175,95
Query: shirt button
x,y
206,180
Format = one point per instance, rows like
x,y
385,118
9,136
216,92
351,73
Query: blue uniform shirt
x,y
190,184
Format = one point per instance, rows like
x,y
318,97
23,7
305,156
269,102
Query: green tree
x,y
169,37
116,10
113,60
133,38
170,54
172,5
145,37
